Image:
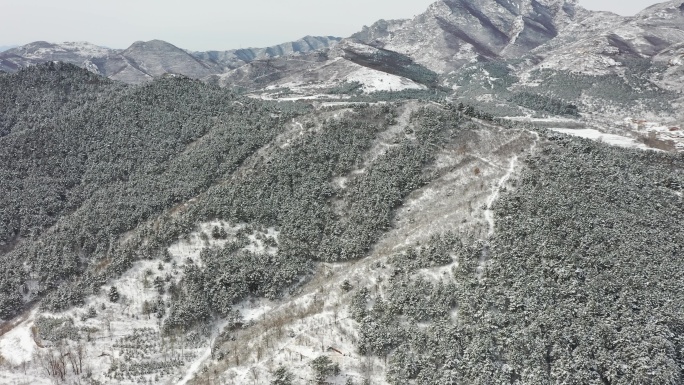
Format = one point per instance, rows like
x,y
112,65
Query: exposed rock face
x,y
673,58
455,32
597,41
451,34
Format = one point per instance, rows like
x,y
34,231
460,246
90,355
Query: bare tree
x,y
54,363
76,358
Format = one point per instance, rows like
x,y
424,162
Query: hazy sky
x,y
211,24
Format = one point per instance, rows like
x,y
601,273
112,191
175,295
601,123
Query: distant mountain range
x,y
510,57
449,35
484,51
528,35
143,61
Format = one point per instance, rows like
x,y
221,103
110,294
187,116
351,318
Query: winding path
x,y
496,190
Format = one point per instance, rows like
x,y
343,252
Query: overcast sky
x,y
211,24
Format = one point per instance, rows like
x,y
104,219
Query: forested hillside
x,y
580,284
85,160
176,231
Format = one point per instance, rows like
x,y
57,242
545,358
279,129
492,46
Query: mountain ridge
x,y
143,61
490,192
178,226
450,34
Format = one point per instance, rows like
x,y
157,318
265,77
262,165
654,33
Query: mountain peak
x,y
452,33
153,44
668,9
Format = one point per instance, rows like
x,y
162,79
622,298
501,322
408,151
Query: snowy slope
x,y
238,57
123,343
596,42
452,33
118,330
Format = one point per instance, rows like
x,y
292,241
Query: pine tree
x,y
282,377
159,285
113,294
346,285
323,368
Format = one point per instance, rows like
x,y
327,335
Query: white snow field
x,y
373,80
611,139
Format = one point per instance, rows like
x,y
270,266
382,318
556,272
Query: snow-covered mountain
x,y
152,59
143,61
235,58
454,32
40,51
596,42
450,34
555,34
480,51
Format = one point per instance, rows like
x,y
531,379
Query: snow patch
x,y
518,28
17,345
195,367
611,139
380,81
85,48
206,354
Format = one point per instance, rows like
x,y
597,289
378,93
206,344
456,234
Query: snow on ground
x,y
192,245
441,273
658,130
315,320
341,181
373,80
342,104
296,330
496,190
17,349
206,354
118,324
651,126
85,48
580,61
611,139
545,122
17,345
114,321
17,376
195,367
389,138
295,96
90,66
